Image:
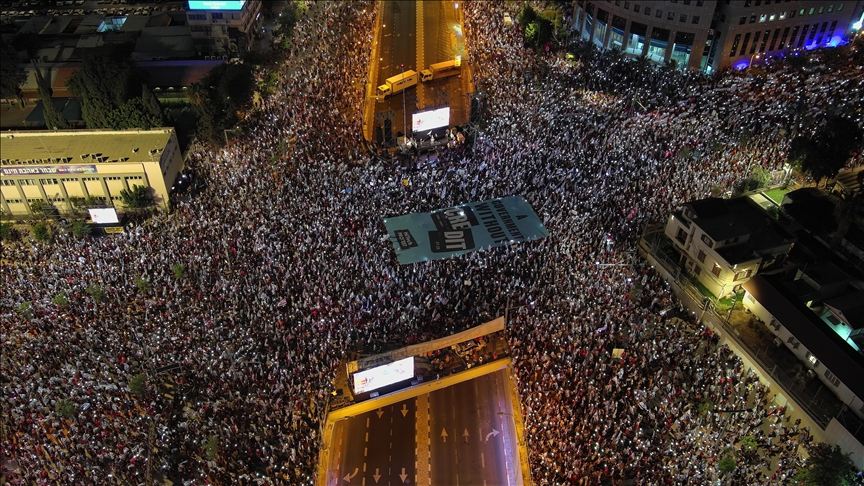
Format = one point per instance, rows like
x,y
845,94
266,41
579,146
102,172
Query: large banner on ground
x,y
462,229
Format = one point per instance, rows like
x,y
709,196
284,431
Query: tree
x,y
96,292
826,466
824,153
526,16
179,270
112,94
60,300
138,385
53,118
136,198
142,284
846,212
42,209
211,447
225,90
7,232
727,464
25,309
65,408
748,443
42,232
12,74
80,229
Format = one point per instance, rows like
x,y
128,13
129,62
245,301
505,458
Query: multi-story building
x,y
749,30
712,35
223,27
55,166
725,242
817,332
662,31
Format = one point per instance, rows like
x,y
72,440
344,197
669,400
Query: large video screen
x,y
216,4
381,376
103,215
429,120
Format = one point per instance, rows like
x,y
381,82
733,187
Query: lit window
x,y
782,15
763,18
716,270
772,18
812,359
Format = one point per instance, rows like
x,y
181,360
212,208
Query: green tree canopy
x,y
826,152
112,94
12,74
137,197
42,232
225,90
826,466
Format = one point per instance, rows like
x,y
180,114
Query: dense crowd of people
x,y
239,305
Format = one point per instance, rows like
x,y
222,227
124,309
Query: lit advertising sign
x,y
428,120
103,215
382,376
216,4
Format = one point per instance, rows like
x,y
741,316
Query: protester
x,y
258,286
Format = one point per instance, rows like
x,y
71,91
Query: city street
x,y
417,34
471,426
461,434
378,447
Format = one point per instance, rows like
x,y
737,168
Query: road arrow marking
x,y
376,476
465,434
444,435
403,476
493,433
348,477
380,413
404,410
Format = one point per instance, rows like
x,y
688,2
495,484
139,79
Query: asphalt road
x,y
378,447
470,426
404,40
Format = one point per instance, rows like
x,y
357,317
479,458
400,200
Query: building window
x,y
763,18
705,239
683,18
8,182
731,53
647,10
636,8
659,13
831,378
716,270
697,269
701,256
670,16
764,41
48,182
839,7
812,10
743,274
742,20
772,17
821,9
752,19
695,19
700,3
197,17
216,15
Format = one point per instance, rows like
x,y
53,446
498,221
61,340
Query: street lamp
x,y
754,56
404,113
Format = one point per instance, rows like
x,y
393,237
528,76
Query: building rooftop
x,y
828,347
726,219
111,145
851,307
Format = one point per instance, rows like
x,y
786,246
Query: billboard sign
x,y
48,170
430,120
382,376
216,4
103,215
462,229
